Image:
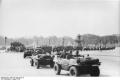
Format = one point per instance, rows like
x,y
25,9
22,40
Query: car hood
x,y
84,61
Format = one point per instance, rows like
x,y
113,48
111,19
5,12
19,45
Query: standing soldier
x,y
5,42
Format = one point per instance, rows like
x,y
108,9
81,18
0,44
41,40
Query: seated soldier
x,y
63,55
69,56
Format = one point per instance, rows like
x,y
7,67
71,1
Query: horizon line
x,y
55,36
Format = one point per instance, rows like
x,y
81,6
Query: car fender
x,y
73,62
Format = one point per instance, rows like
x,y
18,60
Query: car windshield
x,y
46,57
69,56
78,55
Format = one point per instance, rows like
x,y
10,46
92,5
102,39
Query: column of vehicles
x,y
63,59
39,56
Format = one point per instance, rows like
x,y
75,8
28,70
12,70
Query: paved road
x,y
13,64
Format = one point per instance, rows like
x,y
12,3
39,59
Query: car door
x,y
65,63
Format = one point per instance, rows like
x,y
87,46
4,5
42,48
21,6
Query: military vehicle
x,y
76,65
28,52
42,59
47,49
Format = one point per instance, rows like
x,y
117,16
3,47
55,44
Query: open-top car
x,y
28,52
41,59
76,65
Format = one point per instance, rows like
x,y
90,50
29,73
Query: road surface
x,y
13,64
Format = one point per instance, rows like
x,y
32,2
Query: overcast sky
x,y
27,18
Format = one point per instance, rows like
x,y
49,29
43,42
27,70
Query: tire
x,y
73,71
32,62
37,64
95,71
57,69
24,56
52,64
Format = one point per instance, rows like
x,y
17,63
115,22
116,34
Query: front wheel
x,y
24,56
52,64
95,71
37,65
73,71
32,62
57,69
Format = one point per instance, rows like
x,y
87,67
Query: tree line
x,y
87,40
